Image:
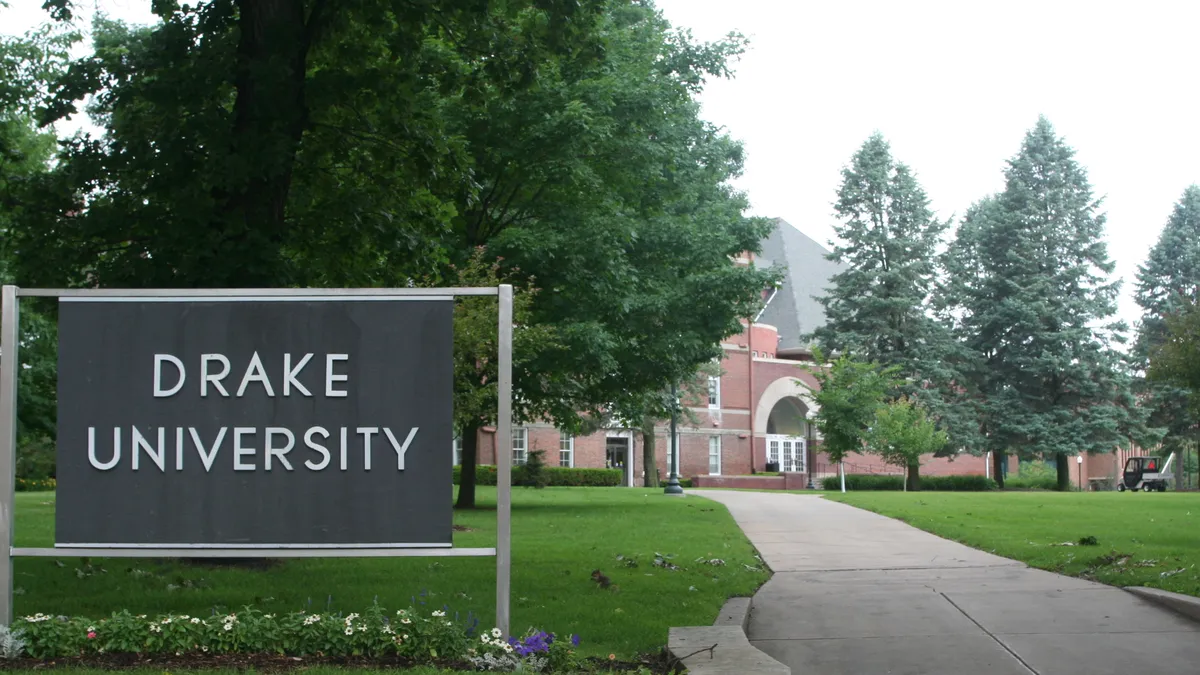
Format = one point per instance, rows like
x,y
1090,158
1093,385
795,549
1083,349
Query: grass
x,y
559,536
1141,539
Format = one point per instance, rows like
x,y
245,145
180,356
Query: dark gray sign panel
x,y
254,422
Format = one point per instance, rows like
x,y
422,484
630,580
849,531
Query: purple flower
x,y
574,640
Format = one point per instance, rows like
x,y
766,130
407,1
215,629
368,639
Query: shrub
x,y
556,476
419,635
36,457
864,481
1033,476
973,483
532,473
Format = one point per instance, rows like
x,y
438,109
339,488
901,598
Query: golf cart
x,y
1146,473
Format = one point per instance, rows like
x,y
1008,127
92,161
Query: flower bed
x,y
35,484
409,636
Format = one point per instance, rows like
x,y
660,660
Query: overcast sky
x,y
952,85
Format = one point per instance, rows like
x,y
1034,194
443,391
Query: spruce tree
x,y
1031,276
1167,283
878,307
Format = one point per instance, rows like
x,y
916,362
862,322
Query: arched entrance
x,y
782,419
787,435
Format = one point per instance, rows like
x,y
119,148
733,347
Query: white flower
x,y
351,618
37,618
204,649
496,632
387,630
448,623
438,612
166,620
349,630
401,612
508,648
270,616
406,621
195,620
484,639
311,619
228,626
155,628
91,629
404,637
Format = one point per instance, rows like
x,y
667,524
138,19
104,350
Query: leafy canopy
x,y
851,394
902,432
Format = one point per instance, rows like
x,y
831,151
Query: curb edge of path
x,y
723,647
1186,605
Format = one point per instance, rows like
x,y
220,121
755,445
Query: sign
x,y
255,422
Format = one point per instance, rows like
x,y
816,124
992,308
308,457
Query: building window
x,y
566,450
458,450
714,392
520,445
714,455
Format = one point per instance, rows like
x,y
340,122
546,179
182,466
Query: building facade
x,y
756,415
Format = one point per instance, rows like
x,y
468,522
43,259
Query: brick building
x,y
756,411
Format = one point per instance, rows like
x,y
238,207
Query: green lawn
x,y
1142,539
559,536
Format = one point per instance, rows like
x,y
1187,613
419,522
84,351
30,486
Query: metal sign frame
x,y
9,364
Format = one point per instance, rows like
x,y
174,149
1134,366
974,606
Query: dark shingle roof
x,y
794,311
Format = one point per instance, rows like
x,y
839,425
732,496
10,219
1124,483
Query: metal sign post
x,y
270,542
9,347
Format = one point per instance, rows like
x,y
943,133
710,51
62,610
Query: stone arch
x,y
779,392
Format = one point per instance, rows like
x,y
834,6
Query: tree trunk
x,y
649,463
1062,462
1180,467
842,475
470,460
270,115
999,462
913,480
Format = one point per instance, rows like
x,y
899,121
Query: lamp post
x,y
1079,462
808,450
673,486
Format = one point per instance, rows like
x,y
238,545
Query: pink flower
x,y
91,635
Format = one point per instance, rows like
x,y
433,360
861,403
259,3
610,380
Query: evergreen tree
x,y
878,307
1031,277
1167,283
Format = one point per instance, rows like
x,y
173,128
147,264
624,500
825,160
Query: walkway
x,y
855,593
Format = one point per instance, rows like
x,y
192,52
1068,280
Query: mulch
x,y
660,664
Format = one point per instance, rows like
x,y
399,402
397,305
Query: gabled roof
x,y
793,310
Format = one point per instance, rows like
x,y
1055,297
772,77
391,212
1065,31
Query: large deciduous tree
x,y
376,143
604,185
1032,275
878,306
27,66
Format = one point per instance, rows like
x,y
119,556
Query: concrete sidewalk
x,y
855,593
